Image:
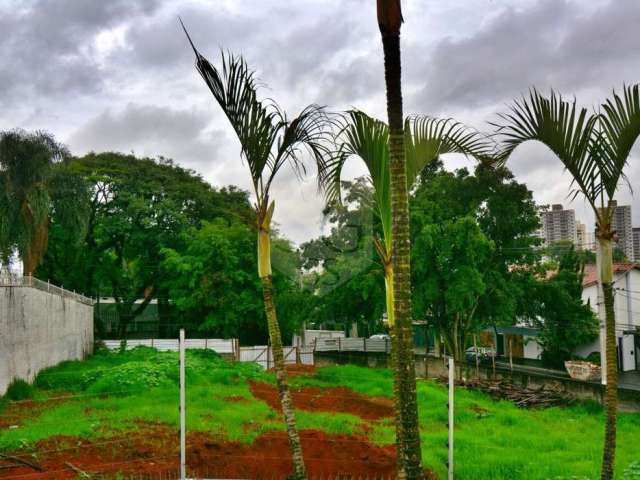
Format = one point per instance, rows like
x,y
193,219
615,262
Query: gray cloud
x,y
183,135
119,75
48,46
552,44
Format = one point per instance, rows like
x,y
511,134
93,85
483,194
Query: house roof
x,y
591,272
516,330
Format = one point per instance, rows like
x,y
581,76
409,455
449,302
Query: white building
x,y
636,244
627,309
559,224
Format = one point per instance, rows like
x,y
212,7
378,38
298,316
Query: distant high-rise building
x,y
636,244
559,224
584,240
581,235
621,223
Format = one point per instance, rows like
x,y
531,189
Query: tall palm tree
x,y
594,148
27,181
368,138
268,141
389,14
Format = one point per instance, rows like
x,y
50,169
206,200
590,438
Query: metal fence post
x,y
452,374
183,446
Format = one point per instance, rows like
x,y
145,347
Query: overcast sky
x,y
119,75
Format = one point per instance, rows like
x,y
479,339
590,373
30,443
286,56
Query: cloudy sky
x,y
119,75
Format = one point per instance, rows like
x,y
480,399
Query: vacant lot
x,y
117,414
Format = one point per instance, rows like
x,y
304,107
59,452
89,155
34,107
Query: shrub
x,y
19,390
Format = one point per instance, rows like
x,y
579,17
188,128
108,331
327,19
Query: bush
x,y
19,390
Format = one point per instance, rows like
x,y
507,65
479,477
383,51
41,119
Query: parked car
x,y
380,336
482,352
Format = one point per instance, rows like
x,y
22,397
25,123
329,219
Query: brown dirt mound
x,y
315,399
153,453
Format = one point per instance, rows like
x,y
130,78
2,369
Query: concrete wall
x,y
38,330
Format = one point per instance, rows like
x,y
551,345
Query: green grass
x,y
494,440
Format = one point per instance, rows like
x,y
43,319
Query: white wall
x,y
532,348
38,330
627,306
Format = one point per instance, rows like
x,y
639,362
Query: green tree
x,y
594,148
345,274
212,283
30,181
134,209
564,320
268,141
474,238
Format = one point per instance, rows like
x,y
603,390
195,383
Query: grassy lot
x,y
494,440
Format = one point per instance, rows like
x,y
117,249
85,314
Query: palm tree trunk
x,y
606,277
388,283
264,270
404,370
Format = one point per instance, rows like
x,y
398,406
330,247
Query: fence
x,y
263,355
13,280
218,345
353,344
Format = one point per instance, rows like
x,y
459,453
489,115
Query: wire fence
x,y
13,280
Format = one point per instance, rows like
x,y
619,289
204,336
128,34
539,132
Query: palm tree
x,y
368,138
268,141
27,181
594,148
408,433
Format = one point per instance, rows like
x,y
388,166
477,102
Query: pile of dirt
x,y
153,453
269,457
314,399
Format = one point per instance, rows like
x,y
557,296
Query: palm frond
x,y
619,129
310,131
234,88
367,138
427,138
565,129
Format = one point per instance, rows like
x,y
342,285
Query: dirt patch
x,y
154,454
316,399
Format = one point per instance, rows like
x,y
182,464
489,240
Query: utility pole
x,y
452,374
183,446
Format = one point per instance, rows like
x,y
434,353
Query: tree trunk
x,y
388,283
264,271
606,277
404,373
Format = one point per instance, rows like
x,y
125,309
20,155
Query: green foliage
x,y
565,322
213,281
473,238
344,271
30,189
19,390
136,207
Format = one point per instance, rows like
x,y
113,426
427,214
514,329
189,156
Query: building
x,y
584,240
621,224
627,308
558,225
636,244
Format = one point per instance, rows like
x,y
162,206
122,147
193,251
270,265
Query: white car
x,y
380,336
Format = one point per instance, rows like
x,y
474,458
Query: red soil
x,y
155,454
315,399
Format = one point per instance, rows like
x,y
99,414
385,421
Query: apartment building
x,y
559,224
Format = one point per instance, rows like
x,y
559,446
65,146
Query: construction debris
x,y
524,397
